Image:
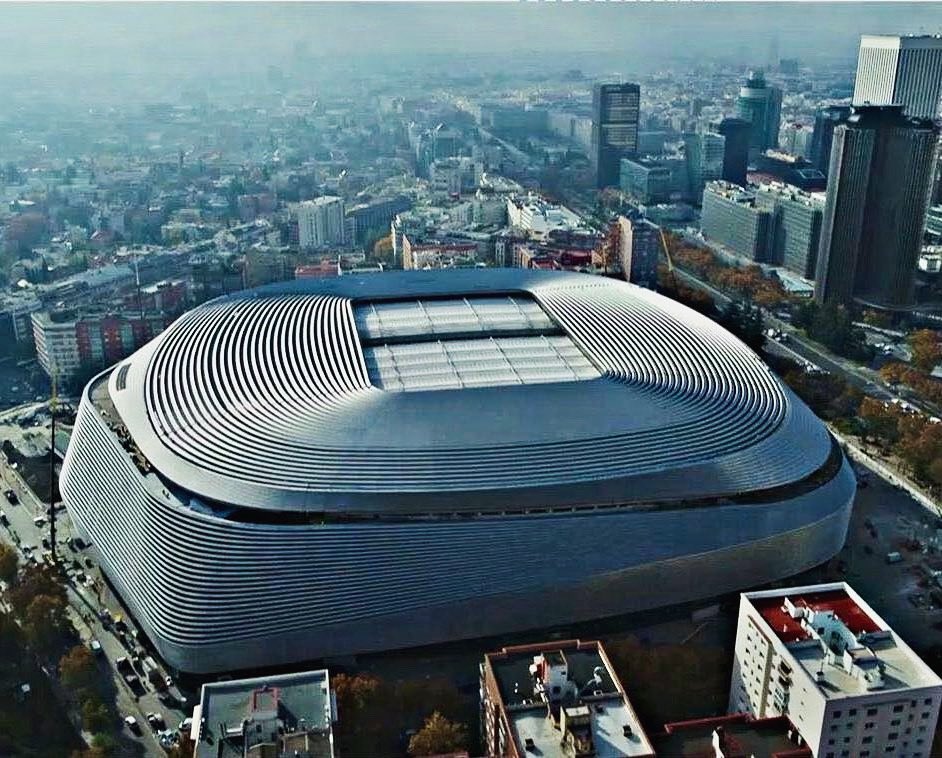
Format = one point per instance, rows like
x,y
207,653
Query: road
x,y
87,596
802,348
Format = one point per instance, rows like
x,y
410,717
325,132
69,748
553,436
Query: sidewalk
x,y
886,472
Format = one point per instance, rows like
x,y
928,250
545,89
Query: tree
x,y
927,351
78,669
9,563
32,581
881,420
95,716
45,623
438,735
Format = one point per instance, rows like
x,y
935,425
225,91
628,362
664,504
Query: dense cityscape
x,y
507,382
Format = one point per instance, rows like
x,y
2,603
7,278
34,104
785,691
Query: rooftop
x,y
549,692
839,641
294,710
738,736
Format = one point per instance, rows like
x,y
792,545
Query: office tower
x,y
824,122
736,133
704,154
614,129
903,71
761,105
795,226
321,222
731,217
658,179
878,188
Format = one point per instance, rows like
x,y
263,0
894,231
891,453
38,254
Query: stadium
x,y
328,467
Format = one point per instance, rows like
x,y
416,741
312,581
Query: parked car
x,y
3,519
95,647
11,497
124,666
156,722
132,724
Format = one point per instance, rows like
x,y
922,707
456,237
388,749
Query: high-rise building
x,y
736,132
731,217
903,71
615,109
794,228
761,105
878,189
321,222
658,179
822,657
704,152
639,246
824,122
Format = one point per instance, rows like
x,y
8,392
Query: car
x,y
95,647
135,685
124,666
46,543
185,725
11,497
156,722
3,519
39,522
132,724
167,738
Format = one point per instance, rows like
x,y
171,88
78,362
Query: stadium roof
x,y
418,392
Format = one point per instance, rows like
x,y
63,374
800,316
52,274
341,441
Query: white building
x,y
321,222
822,657
539,217
900,70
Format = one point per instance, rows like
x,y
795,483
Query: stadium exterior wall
x,y
216,595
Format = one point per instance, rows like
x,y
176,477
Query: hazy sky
x,y
97,39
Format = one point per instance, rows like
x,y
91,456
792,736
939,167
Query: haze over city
x,y
470,379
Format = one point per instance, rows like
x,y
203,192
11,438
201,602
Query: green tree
x,y
95,716
438,735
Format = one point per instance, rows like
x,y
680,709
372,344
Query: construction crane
x,y
667,251
52,469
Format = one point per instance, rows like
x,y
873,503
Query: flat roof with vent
x,y
455,343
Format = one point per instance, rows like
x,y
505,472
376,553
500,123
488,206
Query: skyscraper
x,y
824,122
761,105
615,109
903,71
878,186
736,132
704,155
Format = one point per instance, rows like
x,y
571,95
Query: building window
x,y
927,701
871,711
897,708
867,740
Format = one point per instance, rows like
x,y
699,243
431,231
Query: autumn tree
x,y
881,420
78,669
95,716
438,735
32,582
44,623
927,351
894,372
9,563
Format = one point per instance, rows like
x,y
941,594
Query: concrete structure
x,y
878,189
327,467
776,166
266,717
760,104
373,217
615,113
659,179
557,700
904,71
732,218
16,316
321,222
822,657
639,248
824,122
538,217
69,343
794,228
736,133
421,253
705,154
